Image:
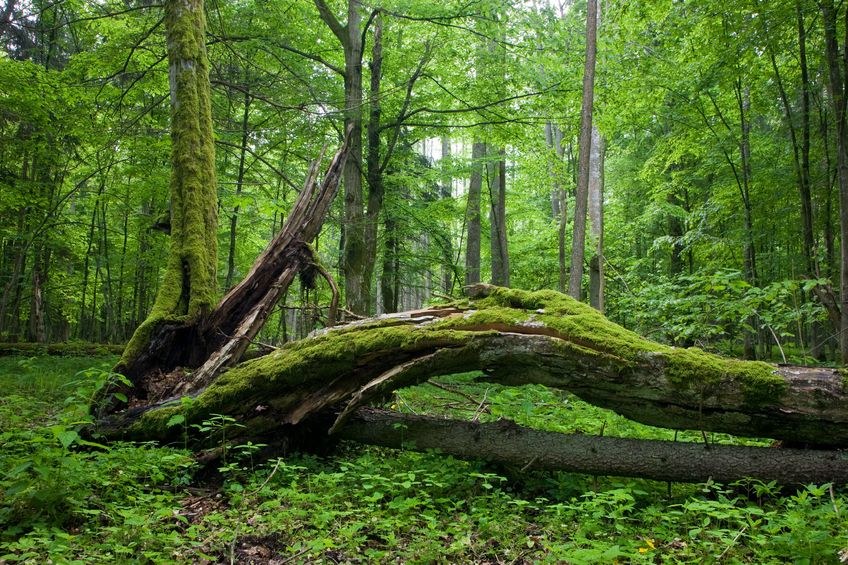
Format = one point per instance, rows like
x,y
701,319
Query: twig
x,y
453,391
480,407
332,313
777,341
273,471
351,315
529,463
732,542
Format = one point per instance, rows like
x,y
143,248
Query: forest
x,y
475,281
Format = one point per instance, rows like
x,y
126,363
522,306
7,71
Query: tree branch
x,y
332,22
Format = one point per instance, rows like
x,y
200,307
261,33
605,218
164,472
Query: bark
x,y
526,448
374,172
390,279
515,338
582,194
357,287
497,221
596,221
448,269
472,215
836,85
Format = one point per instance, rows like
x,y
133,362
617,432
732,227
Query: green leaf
x,y
67,437
175,420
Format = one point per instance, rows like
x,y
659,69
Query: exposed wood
x,y
526,448
218,340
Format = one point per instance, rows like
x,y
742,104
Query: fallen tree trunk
x,y
526,448
516,338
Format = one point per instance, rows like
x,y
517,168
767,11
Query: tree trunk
x,y
189,288
836,85
447,193
596,221
515,338
497,221
526,448
472,214
374,173
575,282
389,280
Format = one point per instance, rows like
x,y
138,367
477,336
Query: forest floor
x,y
65,500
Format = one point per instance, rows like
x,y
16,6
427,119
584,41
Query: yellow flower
x,y
649,545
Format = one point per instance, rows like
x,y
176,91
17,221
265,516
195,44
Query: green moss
x,y
284,378
696,369
568,318
582,325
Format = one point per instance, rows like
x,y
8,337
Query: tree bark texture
x,y
836,84
472,214
515,338
374,173
497,220
575,281
526,448
357,287
596,220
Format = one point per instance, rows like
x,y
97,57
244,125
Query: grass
x,y
65,501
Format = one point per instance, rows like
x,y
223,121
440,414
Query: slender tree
x,y
472,215
836,84
357,287
582,193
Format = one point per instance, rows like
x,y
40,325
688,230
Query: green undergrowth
x,y
66,500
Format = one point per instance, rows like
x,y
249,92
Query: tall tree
x,y
837,72
357,287
189,289
596,220
582,193
497,219
472,214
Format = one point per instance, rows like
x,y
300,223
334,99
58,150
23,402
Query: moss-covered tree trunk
x,y
189,288
187,327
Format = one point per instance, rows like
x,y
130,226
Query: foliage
x,y
67,502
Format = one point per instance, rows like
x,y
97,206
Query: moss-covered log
x,y
525,448
516,338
